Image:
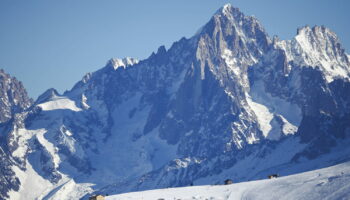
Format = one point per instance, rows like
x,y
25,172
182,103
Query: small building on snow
x,y
97,197
273,176
228,182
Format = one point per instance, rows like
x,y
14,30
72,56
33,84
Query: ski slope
x,y
327,183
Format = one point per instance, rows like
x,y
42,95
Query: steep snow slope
x,y
329,183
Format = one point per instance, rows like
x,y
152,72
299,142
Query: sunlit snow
x,y
59,103
327,183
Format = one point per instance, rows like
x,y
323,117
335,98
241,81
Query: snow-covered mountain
x,y
228,102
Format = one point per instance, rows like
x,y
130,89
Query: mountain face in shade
x,y
13,99
229,102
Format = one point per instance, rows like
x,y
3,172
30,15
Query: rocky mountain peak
x,y
14,97
125,62
228,10
319,36
317,47
320,32
238,31
47,95
233,16
235,41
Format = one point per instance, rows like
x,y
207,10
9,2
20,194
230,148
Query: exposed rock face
x,y
13,97
228,102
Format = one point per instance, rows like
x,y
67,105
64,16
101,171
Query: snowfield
x,y
327,183
59,103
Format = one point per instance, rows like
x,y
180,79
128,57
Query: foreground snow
x,y
328,183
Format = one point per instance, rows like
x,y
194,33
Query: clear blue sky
x,y
47,43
